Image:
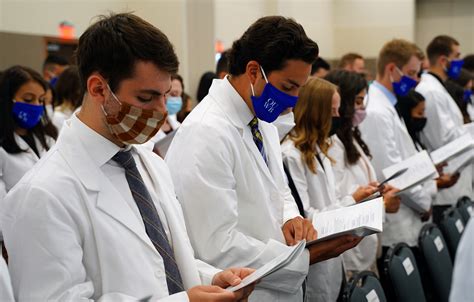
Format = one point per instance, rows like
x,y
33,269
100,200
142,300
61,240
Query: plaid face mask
x,y
130,124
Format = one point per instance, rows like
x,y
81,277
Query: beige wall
x,y
193,26
451,17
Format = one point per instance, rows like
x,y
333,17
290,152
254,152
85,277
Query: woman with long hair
x,y
352,166
25,132
305,154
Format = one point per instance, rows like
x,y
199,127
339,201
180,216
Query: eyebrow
x,y
153,92
293,83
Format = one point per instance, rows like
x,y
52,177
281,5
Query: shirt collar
x,y
99,148
392,98
241,109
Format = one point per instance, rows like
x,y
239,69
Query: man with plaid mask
x,y
98,217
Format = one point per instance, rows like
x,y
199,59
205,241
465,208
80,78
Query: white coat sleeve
x,y
6,292
206,188
45,250
463,278
440,127
378,133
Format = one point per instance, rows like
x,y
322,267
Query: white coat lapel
x,y
108,199
180,242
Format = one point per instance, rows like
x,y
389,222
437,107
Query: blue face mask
x,y
404,86
454,68
27,115
467,95
272,102
174,104
53,81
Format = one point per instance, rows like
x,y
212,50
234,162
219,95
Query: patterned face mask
x,y
131,124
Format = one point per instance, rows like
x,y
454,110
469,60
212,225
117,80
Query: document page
x,y
361,219
420,169
452,149
272,266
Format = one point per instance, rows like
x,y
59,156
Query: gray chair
x,y
363,287
452,226
401,269
438,261
465,207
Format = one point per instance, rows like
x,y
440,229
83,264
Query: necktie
x,y
257,137
153,226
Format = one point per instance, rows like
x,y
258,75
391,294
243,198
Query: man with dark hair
x,y
352,62
320,68
444,118
98,219
232,169
222,67
469,63
53,66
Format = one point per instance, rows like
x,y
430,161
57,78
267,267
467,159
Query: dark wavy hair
x,y
350,85
12,80
272,41
404,107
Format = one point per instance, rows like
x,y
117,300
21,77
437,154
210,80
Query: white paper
x,y
459,226
361,219
420,169
372,296
408,266
460,162
452,149
272,266
439,243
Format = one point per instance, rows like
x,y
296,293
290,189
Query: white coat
x,y
349,178
389,142
233,203
318,194
6,292
463,279
444,124
14,166
72,236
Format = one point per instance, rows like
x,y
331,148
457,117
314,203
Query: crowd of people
x,y
114,188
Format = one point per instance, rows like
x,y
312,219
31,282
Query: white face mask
x,y
284,123
49,111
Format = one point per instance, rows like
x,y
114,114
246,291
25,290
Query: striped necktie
x,y
258,138
153,226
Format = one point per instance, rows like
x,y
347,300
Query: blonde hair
x,y
397,51
313,116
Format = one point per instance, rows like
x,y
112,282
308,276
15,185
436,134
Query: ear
x,y
253,71
97,87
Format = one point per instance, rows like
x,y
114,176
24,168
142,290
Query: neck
x,y
94,118
385,82
21,131
439,71
242,85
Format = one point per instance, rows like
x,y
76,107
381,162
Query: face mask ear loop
x,y
264,75
114,97
399,71
253,91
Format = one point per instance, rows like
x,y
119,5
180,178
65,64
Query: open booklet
x,y
453,149
277,263
361,220
420,169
